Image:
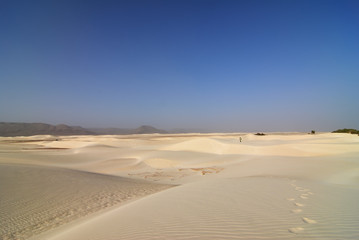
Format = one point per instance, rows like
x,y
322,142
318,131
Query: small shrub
x,y
347,130
259,134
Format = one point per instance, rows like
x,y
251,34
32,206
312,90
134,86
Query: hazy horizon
x,y
214,65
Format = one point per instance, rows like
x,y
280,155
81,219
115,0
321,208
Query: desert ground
x,y
180,186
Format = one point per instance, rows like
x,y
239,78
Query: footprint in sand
x,y
299,204
296,210
290,199
308,220
296,230
303,196
300,189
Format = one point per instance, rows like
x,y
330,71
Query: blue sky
x,y
217,65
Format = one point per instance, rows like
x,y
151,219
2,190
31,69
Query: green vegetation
x,y
260,134
347,130
313,132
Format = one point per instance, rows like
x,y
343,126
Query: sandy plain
x,y
183,186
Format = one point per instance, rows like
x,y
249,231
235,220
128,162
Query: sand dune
x,y
277,186
35,199
244,208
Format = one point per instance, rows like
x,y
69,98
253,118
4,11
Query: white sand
x,y
278,186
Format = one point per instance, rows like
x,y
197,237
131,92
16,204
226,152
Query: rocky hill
x,y
146,130
10,129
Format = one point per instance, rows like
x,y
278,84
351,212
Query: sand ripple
x,y
36,199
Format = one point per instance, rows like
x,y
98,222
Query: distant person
x,y
240,139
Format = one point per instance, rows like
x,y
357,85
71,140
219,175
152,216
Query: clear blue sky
x,y
220,65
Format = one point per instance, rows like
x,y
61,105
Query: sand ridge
x,y
35,199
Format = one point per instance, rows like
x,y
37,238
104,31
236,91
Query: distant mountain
x,y
110,131
9,129
147,129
